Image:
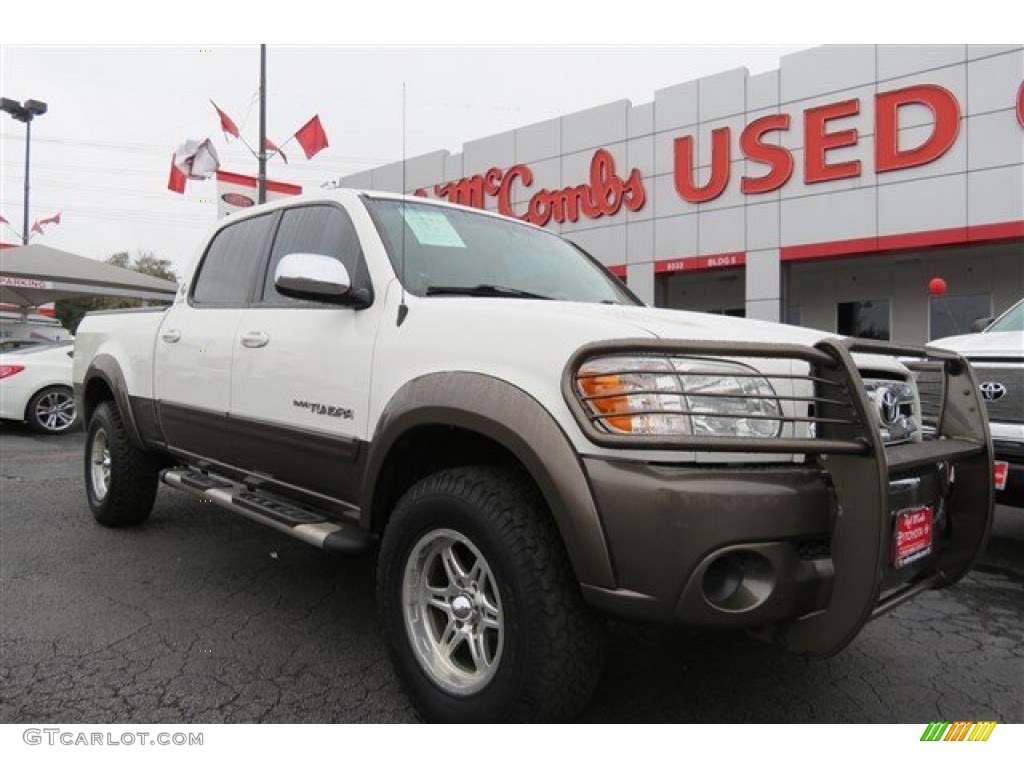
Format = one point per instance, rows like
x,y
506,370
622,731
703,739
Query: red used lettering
x,y
686,187
1020,105
778,159
945,110
818,140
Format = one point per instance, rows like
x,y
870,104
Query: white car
x,y
35,387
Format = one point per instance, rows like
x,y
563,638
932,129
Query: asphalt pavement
x,y
200,616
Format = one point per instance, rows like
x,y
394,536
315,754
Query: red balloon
x,y
937,286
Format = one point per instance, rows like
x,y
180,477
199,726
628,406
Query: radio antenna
x,y
403,308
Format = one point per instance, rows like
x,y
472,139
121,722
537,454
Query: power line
x,y
155,149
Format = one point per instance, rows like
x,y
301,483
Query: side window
x,y
323,229
231,262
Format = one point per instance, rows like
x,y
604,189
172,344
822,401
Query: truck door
x,y
301,375
196,342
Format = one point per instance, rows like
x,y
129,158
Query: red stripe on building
x,y
619,271
1010,230
691,263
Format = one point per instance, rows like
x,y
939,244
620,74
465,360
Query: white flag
x,y
197,159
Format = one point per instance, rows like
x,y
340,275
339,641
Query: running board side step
x,y
297,521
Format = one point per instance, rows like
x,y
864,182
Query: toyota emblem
x,y
992,390
889,406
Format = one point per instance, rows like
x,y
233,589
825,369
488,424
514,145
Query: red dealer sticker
x,y
1002,471
912,535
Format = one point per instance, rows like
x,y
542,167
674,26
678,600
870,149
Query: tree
x,y
71,311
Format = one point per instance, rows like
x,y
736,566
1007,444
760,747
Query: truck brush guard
x,y
827,416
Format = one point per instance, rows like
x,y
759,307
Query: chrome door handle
x,y
171,336
255,339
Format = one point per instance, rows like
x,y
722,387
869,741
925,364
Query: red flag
x,y
270,146
311,137
176,182
37,225
226,123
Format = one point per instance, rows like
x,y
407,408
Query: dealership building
x,y
828,193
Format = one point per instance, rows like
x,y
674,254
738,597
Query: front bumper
x,y
805,549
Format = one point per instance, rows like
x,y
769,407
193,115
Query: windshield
x,y
1012,320
448,251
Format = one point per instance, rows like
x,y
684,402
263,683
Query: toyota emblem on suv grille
x,y
889,406
992,390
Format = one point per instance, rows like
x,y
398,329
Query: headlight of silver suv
x,y
656,395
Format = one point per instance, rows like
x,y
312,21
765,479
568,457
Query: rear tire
x,y
51,411
120,477
482,610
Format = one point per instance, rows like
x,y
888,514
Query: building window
x,y
864,319
953,315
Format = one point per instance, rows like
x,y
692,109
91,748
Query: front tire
x,y
482,610
51,411
120,477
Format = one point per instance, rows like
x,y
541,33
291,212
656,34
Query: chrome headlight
x,y
656,395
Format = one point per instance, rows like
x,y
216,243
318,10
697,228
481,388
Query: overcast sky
x,y
101,154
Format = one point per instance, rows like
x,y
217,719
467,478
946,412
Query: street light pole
x,y
28,150
24,113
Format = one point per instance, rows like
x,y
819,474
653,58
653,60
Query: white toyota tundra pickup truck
x,y
997,356
526,448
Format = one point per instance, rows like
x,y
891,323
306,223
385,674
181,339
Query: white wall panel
x,y
898,60
822,70
640,279
595,127
640,120
918,206
993,83
763,91
722,95
721,231
539,141
640,241
675,237
826,217
498,151
995,196
763,276
675,107
762,225
994,139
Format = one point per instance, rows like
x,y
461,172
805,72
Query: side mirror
x,y
981,324
315,277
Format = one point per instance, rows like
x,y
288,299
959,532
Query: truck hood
x,y
574,324
615,321
999,344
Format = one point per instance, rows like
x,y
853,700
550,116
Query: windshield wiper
x,y
483,289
